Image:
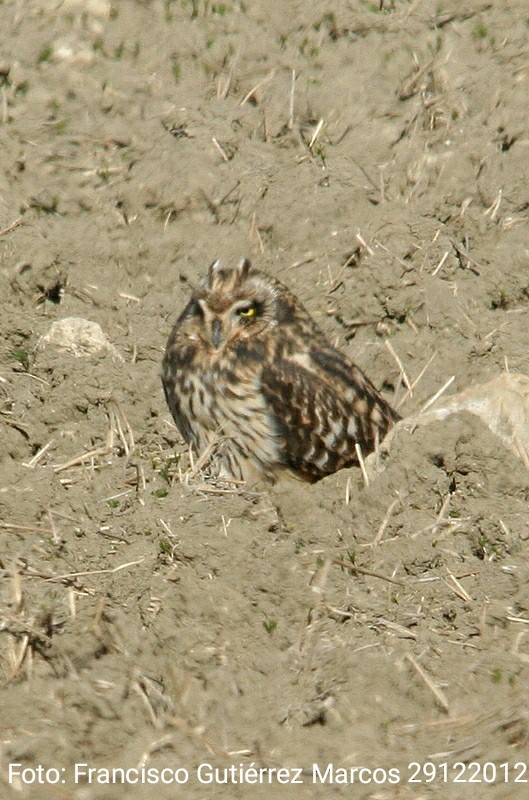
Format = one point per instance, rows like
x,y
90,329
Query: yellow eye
x,y
247,312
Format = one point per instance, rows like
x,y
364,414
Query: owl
x,y
254,385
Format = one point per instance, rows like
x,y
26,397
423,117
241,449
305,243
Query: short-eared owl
x,y
250,379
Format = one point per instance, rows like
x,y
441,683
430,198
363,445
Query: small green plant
x,y
22,357
480,31
330,19
319,152
22,88
166,469
113,503
176,69
496,675
165,546
45,54
164,472
501,301
160,493
220,9
45,206
168,12
269,625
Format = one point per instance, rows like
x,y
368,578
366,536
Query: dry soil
x,y
375,158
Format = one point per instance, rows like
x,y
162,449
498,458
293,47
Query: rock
x,y
81,337
502,404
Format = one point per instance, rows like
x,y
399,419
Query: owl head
x,y
231,305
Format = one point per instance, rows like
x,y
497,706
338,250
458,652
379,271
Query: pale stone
x,y
81,337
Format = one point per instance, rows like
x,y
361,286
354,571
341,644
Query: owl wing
x,y
323,405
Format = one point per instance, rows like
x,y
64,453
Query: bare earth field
x,y
376,160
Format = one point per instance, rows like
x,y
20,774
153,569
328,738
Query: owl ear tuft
x,y
243,268
213,271
217,273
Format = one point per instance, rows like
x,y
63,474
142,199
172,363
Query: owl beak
x,y
216,333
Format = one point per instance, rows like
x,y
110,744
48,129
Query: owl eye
x,y
247,311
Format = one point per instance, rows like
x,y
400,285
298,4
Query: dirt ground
x,y
376,160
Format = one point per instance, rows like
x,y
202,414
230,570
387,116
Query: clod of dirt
x,y
502,404
78,336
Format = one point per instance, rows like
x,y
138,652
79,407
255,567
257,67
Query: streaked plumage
x,y
250,378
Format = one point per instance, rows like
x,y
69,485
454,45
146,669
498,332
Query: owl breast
x,y
226,417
